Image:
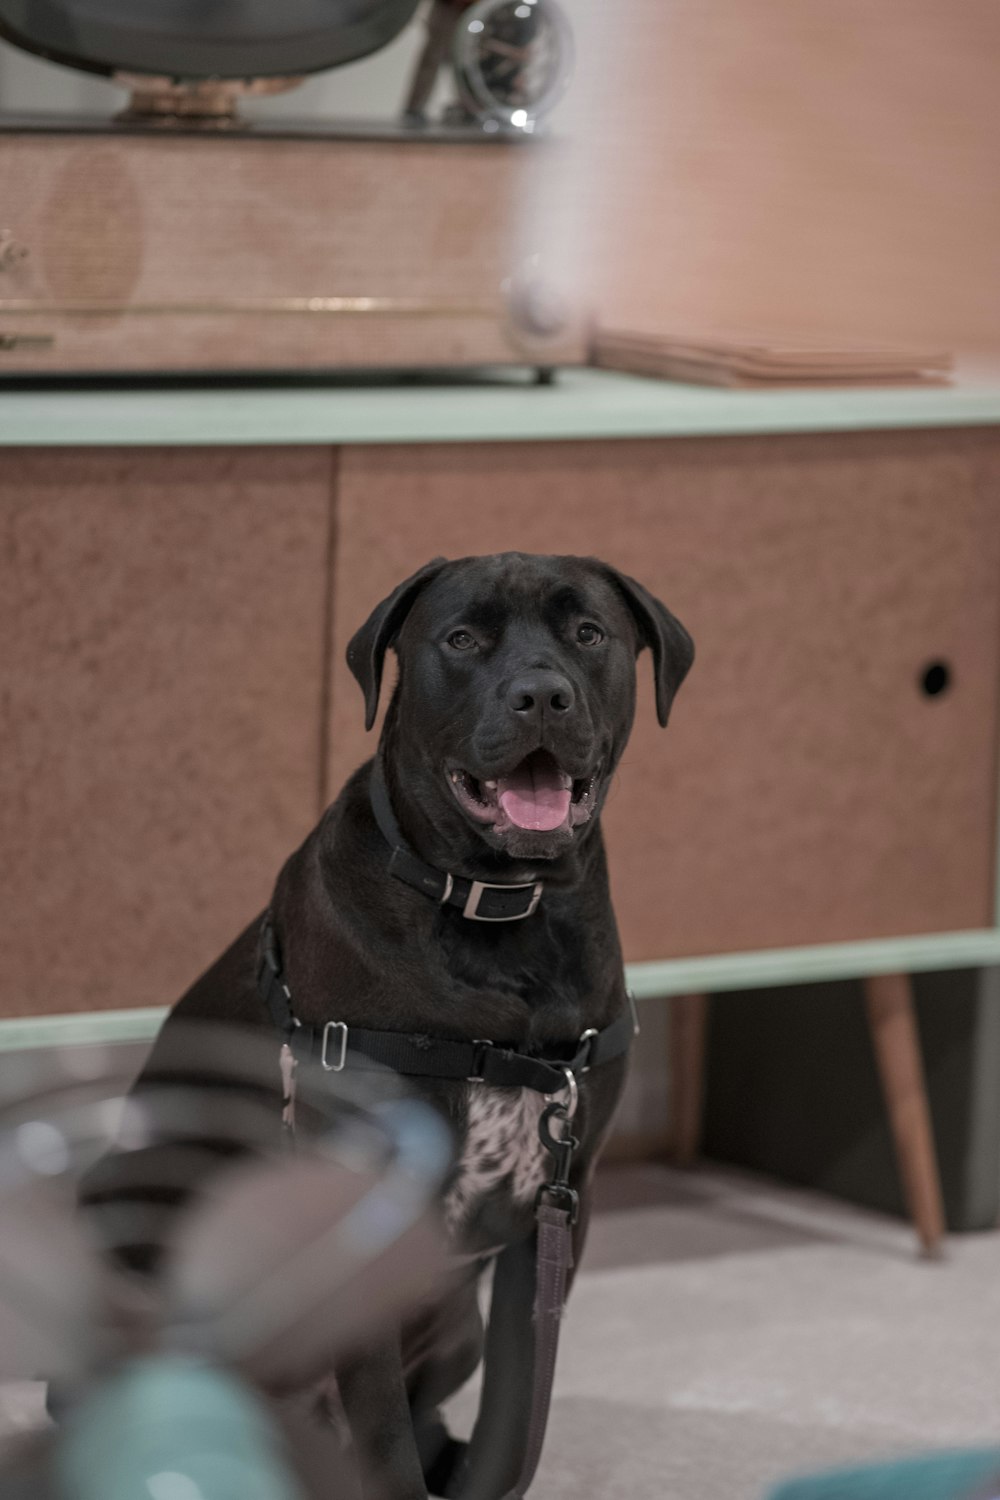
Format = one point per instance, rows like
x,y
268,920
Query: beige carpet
x,y
725,1332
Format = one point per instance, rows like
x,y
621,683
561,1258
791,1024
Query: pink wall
x,y
821,167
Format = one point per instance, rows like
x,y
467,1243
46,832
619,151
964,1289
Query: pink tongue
x,y
533,796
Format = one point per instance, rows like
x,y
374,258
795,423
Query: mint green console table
x,y
181,569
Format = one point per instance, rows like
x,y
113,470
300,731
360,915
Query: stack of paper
x,y
764,362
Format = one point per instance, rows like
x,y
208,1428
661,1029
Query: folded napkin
x,y
759,362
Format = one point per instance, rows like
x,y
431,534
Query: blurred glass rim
x,y
199,1069
361,1187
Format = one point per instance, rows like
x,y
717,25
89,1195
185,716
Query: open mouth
x,y
537,795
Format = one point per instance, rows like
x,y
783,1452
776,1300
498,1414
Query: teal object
x,y
172,1429
963,1475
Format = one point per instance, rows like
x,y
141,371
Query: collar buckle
x,y
478,888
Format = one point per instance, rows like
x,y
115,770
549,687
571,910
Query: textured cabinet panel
x,y
161,658
807,790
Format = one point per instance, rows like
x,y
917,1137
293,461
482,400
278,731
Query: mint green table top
x,y
581,404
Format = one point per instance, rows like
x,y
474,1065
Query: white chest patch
x,y
501,1142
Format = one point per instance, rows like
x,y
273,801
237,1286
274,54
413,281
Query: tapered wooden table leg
x,y
688,1023
889,998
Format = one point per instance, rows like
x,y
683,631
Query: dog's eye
x,y
589,635
461,640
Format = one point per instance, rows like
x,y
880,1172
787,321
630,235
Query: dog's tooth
x,y
490,785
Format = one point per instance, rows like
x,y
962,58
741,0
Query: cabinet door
x,y
808,789
162,619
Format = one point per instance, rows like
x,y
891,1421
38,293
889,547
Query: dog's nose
x,y
534,694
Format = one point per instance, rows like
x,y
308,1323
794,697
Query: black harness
x,y
338,1046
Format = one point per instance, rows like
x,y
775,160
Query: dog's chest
x,y
501,1153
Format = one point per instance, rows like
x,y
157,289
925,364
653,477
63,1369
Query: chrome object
x,y
567,1110
536,312
341,1028
587,1036
513,60
471,907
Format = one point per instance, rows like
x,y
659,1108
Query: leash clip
x,y
561,1149
557,1191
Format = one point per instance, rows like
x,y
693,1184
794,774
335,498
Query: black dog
x,y
515,699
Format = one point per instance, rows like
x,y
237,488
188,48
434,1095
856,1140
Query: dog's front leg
x,y
373,1395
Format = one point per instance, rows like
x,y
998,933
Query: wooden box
x,y
151,250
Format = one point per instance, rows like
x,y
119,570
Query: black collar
x,y
476,899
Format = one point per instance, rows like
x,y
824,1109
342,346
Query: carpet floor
x,y
725,1332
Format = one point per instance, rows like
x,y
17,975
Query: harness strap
x,y
415,1055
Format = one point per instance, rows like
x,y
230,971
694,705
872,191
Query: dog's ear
x,y
367,648
663,633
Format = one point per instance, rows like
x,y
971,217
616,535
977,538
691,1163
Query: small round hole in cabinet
x,y
935,679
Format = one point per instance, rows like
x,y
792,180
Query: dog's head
x,y
516,690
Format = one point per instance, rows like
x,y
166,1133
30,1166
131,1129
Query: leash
x,y
530,1277
526,1307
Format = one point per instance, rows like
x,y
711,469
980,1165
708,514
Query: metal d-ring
x,y
569,1108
